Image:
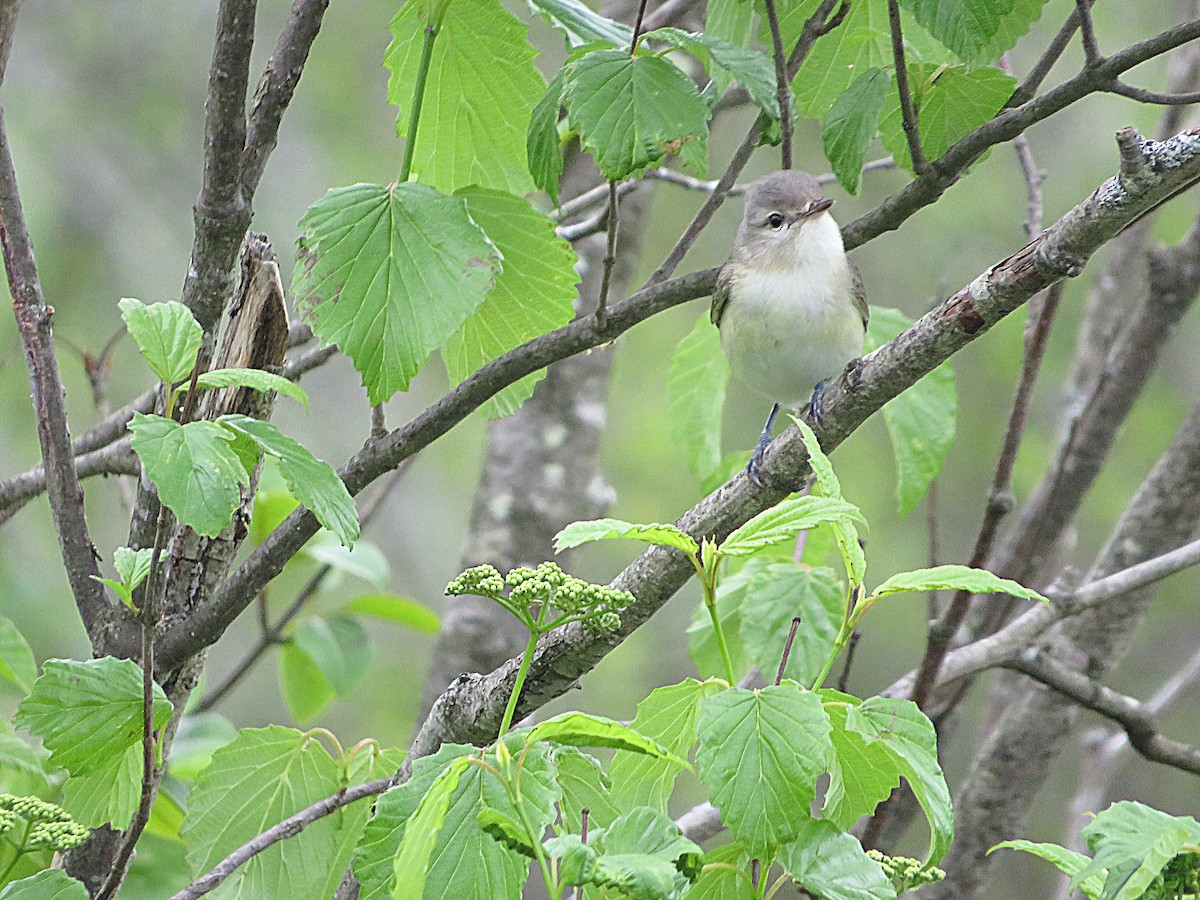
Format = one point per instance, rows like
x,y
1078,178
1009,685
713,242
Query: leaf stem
x,y
709,582
535,630
414,117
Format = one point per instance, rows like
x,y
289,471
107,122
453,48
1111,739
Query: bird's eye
x,y
775,220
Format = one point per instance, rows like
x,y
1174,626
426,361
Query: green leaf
x,y
542,143
199,736
16,659
167,334
642,854
338,646
977,30
195,469
955,578
851,123
584,785
724,876
365,561
863,41
391,608
576,729
1067,861
506,831
578,533
777,592
260,778
22,769
88,713
862,773
752,69
306,690
1133,842
900,728
532,295
784,521
579,24
51,884
632,112
271,507
410,867
109,794
696,396
313,482
731,21
255,379
845,532
832,865
920,422
952,101
133,565
481,88
760,755
407,267
668,715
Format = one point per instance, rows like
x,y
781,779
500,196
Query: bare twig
x,y
783,93
115,459
1130,714
908,112
1091,50
844,679
1141,95
1053,52
787,649
612,221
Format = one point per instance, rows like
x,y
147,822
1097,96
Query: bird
x,y
790,305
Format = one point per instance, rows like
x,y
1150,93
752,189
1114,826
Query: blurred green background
x,y
104,104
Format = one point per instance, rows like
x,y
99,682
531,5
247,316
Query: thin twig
x,y
1052,54
908,112
1087,31
787,649
610,257
1116,86
783,93
851,647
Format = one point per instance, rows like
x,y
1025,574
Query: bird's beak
x,y
819,206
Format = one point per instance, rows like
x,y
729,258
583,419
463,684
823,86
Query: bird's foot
x,y
754,468
815,407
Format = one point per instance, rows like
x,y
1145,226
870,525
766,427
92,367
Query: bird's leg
x,y
754,467
815,411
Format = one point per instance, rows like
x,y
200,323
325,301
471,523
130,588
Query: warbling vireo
x,y
789,303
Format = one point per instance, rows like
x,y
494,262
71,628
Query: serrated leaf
x,y
391,608
167,334
133,565
406,266
845,531
696,396
339,646
831,865
1067,861
784,521
776,593
732,21
851,123
952,100
255,379
194,468
542,143
977,30
632,112
410,867
532,295
311,481
87,713
51,884
902,730
1133,842
578,729
760,754
108,794
668,715
861,772
863,41
482,85
578,533
921,422
584,785
579,24
260,778
16,659
752,69
955,578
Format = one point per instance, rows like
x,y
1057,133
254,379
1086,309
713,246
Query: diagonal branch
x,y
908,112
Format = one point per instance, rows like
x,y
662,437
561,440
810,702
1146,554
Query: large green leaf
x,y
760,754
1067,861
109,794
195,469
482,85
16,659
578,533
532,295
578,729
542,143
845,531
696,396
731,21
977,30
752,69
313,482
579,24
632,112
724,876
395,271
167,334
52,884
260,778
955,578
668,715
88,713
410,868
851,123
952,100
777,592
1133,842
584,785
784,521
902,730
830,864
921,422
861,772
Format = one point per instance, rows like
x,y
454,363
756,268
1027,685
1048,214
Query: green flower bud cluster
x,y
50,827
1180,877
905,872
545,586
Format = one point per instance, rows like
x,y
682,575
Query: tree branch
x,y
908,112
116,459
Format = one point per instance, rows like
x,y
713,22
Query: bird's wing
x,y
720,295
860,295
